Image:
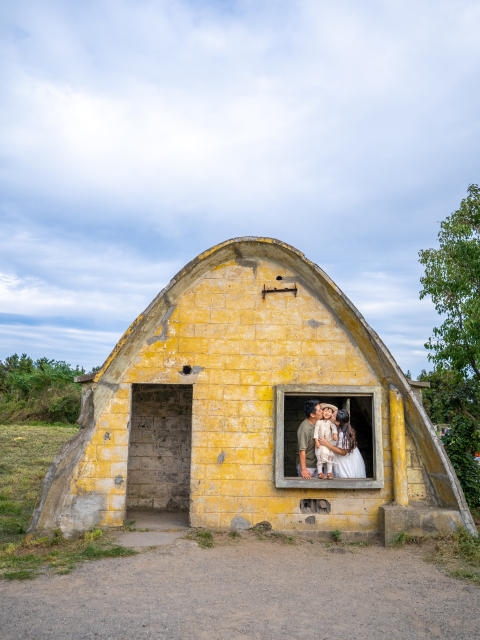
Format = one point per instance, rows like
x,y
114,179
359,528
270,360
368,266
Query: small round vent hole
x,y
187,370
279,278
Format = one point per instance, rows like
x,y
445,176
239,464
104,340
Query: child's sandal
x,y
329,476
322,475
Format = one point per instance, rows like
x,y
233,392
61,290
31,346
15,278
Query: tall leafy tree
x,y
452,279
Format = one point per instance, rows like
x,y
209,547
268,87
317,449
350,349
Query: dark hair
x,y
309,407
349,438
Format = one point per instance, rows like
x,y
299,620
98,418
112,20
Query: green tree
x,y
450,394
455,400
452,279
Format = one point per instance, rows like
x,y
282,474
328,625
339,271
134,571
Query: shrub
x,y
462,441
38,390
455,400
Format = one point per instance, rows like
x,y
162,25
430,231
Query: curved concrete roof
x,y
245,251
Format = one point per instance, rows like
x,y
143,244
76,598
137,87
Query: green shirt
x,y
307,443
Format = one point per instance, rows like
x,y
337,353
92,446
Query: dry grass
x,y
459,555
25,560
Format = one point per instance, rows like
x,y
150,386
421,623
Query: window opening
x,y
364,406
360,410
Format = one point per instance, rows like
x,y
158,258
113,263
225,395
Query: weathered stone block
x,y
193,315
254,347
138,450
193,345
283,505
416,520
255,408
116,502
111,518
112,454
256,377
255,317
263,488
221,376
238,523
226,347
209,392
252,505
133,490
415,476
119,437
222,472
254,472
263,456
348,507
225,316
182,329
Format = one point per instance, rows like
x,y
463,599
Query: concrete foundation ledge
x,y
326,536
416,521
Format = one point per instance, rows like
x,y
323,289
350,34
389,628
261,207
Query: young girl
x,y
325,429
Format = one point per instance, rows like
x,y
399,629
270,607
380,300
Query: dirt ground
x,y
243,590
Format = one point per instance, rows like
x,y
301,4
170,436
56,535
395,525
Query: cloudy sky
x,y
136,134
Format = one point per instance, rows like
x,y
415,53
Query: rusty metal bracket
x,y
274,290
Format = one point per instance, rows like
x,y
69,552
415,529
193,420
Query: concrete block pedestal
x,y
416,521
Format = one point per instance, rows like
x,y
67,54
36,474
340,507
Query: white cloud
x,y
135,135
87,284
212,114
391,306
85,348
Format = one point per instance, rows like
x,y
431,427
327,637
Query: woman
x,y
350,463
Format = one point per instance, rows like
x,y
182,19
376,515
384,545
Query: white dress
x,y
351,465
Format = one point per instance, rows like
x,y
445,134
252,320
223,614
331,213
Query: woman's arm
x,y
324,442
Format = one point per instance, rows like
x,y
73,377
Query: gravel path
x,y
244,590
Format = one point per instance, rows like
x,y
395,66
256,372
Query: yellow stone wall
x,y
245,345
418,485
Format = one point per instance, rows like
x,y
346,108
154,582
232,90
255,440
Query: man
x,y
306,459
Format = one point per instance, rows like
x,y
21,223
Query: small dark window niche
x,y
310,505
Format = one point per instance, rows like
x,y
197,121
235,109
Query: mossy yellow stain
x,y
399,454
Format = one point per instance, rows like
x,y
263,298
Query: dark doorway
x,y
160,447
361,419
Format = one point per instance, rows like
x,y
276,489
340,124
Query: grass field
x,y
26,453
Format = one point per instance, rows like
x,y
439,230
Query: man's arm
x,y
306,475
326,443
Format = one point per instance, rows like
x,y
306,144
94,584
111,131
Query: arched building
x,y
198,404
